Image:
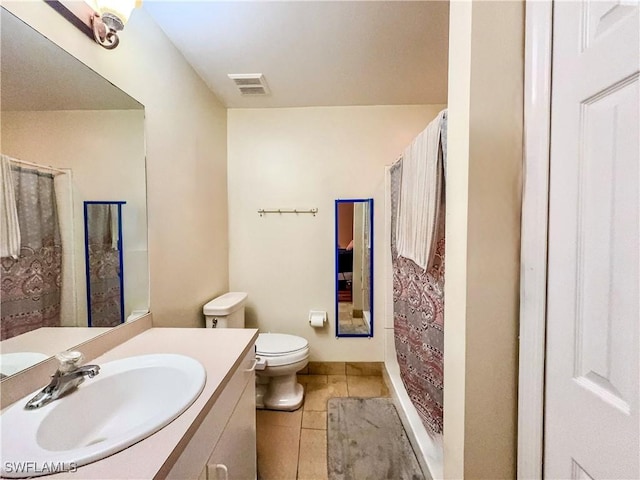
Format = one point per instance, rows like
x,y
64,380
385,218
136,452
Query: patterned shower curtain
x,y
418,316
31,283
104,265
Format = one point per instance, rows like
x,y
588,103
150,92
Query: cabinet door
x,y
234,456
193,459
203,474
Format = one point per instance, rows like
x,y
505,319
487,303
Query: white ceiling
x,y
314,53
37,75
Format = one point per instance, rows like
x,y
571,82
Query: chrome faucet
x,y
66,379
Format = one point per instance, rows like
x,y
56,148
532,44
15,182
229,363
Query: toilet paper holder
x,y
317,318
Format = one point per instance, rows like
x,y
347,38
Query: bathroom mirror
x,y
56,112
354,267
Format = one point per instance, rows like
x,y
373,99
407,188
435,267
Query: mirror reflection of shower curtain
x,y
103,238
31,283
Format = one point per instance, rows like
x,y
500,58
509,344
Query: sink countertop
x,y
218,350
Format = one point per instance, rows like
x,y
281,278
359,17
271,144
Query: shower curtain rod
x,y
37,166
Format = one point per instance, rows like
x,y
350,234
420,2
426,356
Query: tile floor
x,y
349,324
293,445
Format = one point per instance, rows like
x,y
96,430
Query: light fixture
x,y
99,19
110,19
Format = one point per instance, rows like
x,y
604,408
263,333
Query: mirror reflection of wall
x,y
354,268
63,121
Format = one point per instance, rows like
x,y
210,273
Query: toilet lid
x,y
279,344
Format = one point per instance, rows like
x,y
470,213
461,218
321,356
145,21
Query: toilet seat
x,y
279,349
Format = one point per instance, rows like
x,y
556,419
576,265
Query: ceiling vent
x,y
250,83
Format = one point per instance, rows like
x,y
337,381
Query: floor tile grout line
x,y
299,447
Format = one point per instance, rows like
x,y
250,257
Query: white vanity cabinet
x,y
234,456
224,445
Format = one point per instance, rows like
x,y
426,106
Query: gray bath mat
x,y
366,441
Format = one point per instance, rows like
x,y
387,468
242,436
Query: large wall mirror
x,y
68,137
354,267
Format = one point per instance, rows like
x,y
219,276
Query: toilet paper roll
x,y
317,319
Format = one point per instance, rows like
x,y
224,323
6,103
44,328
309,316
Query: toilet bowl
x,y
279,356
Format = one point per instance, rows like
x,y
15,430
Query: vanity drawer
x,y
193,460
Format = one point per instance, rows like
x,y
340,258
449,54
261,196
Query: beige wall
x,y
307,158
483,226
83,141
186,157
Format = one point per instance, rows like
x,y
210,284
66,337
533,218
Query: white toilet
x,y
279,356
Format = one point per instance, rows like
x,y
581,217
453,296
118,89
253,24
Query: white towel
x,y
420,195
9,226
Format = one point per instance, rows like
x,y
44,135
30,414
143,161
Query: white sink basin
x,y
11,363
128,401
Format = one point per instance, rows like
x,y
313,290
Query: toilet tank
x,y
225,311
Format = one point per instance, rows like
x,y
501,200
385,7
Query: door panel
x,y
592,426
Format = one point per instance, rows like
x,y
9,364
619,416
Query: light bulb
x,y
121,9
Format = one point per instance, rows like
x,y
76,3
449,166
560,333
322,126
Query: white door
x,y
592,426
